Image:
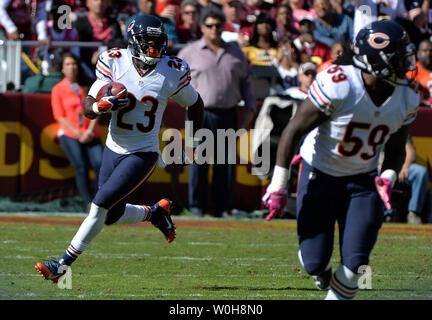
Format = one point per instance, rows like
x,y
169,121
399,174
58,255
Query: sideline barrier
x,y
31,159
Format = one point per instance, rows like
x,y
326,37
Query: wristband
x,y
279,179
95,108
390,175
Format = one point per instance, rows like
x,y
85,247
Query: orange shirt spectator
x,y
424,78
67,104
424,67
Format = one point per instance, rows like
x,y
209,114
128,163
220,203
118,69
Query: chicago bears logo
x,y
379,40
131,25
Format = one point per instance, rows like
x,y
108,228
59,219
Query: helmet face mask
x,y
147,39
383,49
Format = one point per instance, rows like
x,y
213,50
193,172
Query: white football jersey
x,y
136,128
350,141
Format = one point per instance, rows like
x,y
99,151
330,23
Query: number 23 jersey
x,y
136,127
350,141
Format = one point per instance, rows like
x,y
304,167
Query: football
x,y
116,88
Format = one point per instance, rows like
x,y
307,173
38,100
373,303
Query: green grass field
x,y
209,260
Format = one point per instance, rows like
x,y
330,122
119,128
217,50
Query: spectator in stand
x,y
58,31
208,5
415,25
97,26
300,9
234,26
148,7
423,76
220,72
252,9
41,83
310,49
284,23
417,177
331,26
341,54
263,47
79,136
306,75
343,7
427,11
379,9
287,63
124,10
189,30
75,5
169,9
23,20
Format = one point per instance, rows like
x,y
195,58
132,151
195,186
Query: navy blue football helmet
x,y
147,39
384,50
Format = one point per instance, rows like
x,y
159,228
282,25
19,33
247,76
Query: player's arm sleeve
x,y
5,20
413,102
104,67
326,94
96,86
184,93
41,22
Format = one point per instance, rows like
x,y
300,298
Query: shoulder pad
x,y
330,88
176,65
104,66
412,102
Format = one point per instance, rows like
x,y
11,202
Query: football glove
x,y
111,103
275,202
296,159
384,184
385,190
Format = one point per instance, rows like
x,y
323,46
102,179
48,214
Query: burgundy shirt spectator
x,y
284,23
25,20
97,26
189,29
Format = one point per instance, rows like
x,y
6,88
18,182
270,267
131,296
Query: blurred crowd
x,y
279,33
297,38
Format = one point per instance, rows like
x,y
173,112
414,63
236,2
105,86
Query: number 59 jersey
x,y
136,127
350,141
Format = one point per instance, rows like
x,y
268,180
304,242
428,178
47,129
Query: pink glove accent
x,y
384,190
296,159
275,202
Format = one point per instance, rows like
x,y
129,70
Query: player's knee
x,y
315,267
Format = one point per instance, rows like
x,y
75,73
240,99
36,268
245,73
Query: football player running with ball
x,y
350,114
132,145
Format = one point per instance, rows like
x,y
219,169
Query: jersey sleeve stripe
x,y
186,74
101,67
322,92
183,82
320,98
181,87
103,73
410,118
106,66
